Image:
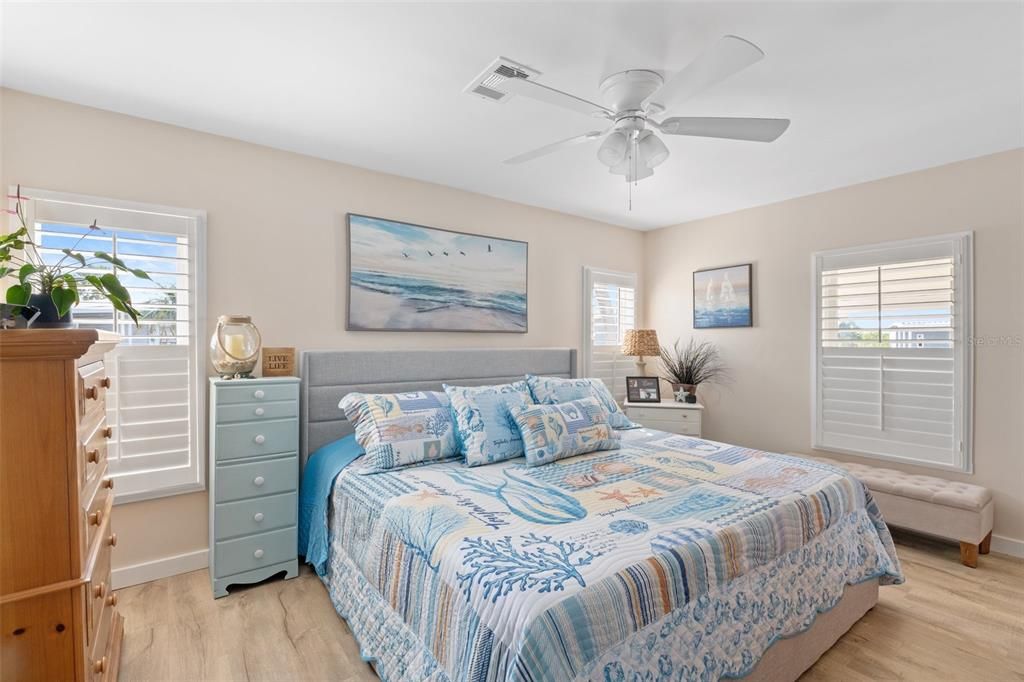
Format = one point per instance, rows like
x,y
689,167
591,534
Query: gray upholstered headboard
x,y
328,375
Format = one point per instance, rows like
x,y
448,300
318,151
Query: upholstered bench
x,y
927,504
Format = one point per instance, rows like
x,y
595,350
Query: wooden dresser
x,y
57,612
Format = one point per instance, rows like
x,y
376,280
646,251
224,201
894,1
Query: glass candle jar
x,y
235,346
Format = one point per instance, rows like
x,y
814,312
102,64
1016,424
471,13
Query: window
x,y
892,324
609,310
156,399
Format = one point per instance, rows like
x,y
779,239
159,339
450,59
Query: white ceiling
x,y
873,89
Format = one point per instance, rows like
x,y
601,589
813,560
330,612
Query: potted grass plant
x,y
52,286
687,367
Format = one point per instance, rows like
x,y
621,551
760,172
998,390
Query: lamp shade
x,y
641,342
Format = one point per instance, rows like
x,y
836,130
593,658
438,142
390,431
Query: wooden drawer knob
x,y
108,432
99,590
108,483
93,456
112,540
105,382
96,518
91,393
258,554
112,599
258,481
99,665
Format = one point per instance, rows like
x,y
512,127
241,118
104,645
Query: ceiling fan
x,y
634,102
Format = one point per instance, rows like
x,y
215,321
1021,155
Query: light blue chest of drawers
x,y
254,480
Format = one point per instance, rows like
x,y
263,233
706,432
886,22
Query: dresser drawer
x,y
96,510
257,412
93,452
92,385
258,393
256,439
258,515
663,414
255,551
97,590
241,481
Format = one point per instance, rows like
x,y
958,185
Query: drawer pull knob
x,y
112,540
96,518
258,394
105,382
258,517
112,599
93,456
258,411
99,665
91,393
108,483
259,440
258,481
108,432
258,554
99,590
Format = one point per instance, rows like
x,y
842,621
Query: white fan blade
x,y
729,55
753,129
555,146
528,88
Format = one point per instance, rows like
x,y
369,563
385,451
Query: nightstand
x,y
668,415
254,480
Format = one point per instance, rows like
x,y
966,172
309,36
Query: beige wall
x,y
768,405
276,244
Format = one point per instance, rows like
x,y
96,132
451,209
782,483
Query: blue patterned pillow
x,y
398,429
555,390
486,430
552,432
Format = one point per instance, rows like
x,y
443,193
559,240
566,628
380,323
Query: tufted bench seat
x,y
928,504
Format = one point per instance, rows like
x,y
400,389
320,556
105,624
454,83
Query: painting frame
x,y
351,325
640,389
698,311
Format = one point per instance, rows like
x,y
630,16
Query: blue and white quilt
x,y
670,558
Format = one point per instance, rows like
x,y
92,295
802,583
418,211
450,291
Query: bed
x,y
669,558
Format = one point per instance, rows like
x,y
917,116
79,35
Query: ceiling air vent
x,y
488,84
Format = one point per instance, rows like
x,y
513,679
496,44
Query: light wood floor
x,y
948,622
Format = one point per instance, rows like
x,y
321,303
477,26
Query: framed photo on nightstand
x,y
643,390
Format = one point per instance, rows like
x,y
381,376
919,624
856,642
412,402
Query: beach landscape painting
x,y
405,277
723,297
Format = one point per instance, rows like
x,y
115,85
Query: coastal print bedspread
x,y
669,558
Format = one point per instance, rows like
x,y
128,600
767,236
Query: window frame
x,y
590,274
962,244
151,486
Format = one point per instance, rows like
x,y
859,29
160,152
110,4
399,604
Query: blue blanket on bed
x,y
322,468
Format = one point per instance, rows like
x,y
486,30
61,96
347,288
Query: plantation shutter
x,y
610,310
155,401
892,325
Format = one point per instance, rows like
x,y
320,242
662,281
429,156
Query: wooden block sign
x,y
278,362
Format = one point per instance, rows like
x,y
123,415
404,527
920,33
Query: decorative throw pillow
x,y
555,390
482,413
397,429
552,432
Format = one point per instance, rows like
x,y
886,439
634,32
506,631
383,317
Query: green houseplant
x,y
686,367
53,287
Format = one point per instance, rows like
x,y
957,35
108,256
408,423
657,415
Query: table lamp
x,y
640,343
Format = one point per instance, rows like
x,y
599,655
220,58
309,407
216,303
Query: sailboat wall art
x,y
723,297
405,277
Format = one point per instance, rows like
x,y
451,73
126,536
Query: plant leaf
x,y
63,298
71,282
26,270
18,294
113,285
140,273
77,256
111,259
3,271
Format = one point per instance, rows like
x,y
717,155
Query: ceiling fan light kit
x,y
632,99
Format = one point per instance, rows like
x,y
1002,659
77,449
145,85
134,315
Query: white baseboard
x,y
1004,545
147,571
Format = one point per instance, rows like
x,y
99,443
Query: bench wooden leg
x,y
969,554
986,544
